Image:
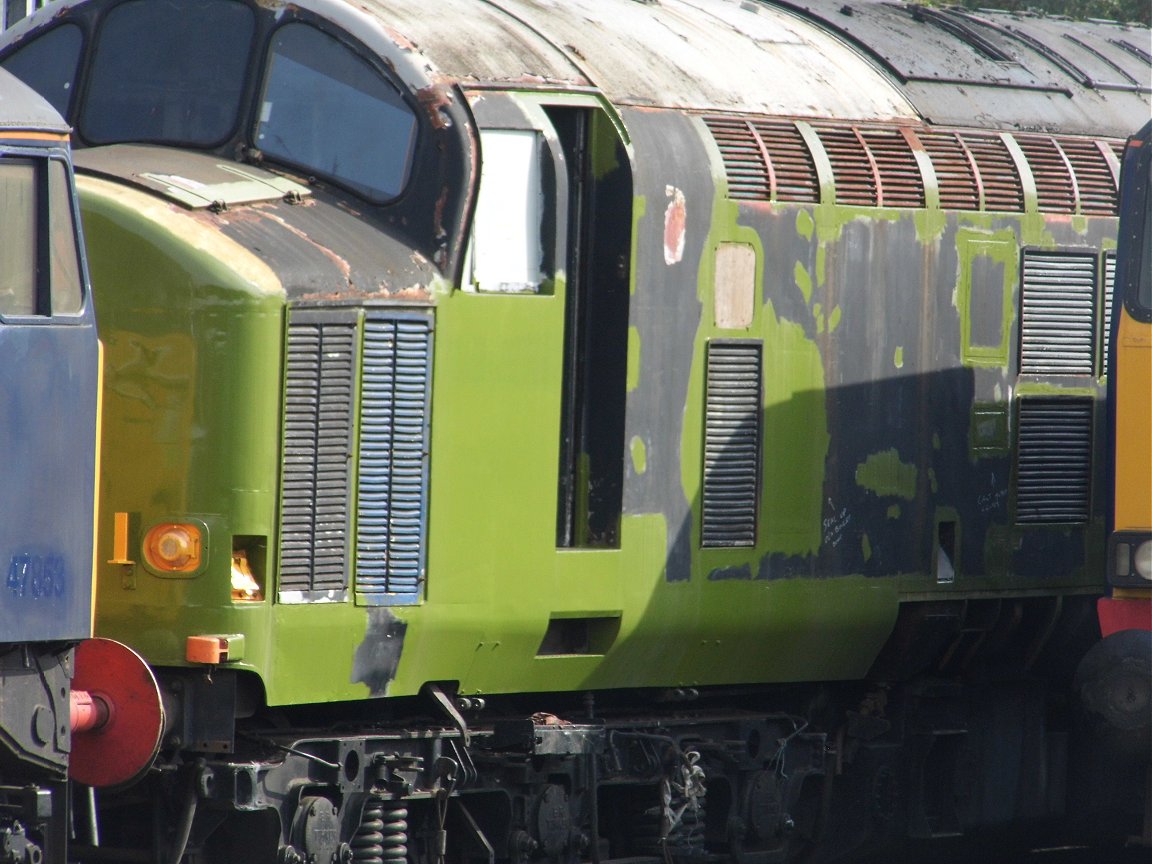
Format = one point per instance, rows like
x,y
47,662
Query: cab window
x,y
327,111
18,238
67,291
39,250
168,72
48,65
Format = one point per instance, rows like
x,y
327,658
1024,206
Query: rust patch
x,y
434,99
412,294
340,263
675,221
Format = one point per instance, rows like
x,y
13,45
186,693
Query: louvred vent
x,y
996,173
765,161
748,176
852,166
955,170
1055,185
1094,179
878,167
901,184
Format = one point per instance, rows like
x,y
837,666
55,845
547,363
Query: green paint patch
x,y
898,357
930,224
803,281
804,224
639,455
894,511
866,547
984,291
884,474
834,320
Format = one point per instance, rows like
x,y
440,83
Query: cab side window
x,y
327,111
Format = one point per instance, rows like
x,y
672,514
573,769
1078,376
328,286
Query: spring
x,y
383,833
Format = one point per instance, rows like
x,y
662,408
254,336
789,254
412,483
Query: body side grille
x,y
318,418
731,444
1057,318
393,459
1054,461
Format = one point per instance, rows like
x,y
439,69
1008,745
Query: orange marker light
x,y
173,548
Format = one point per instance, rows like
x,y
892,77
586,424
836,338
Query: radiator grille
x,y
998,177
1055,182
900,182
393,461
1095,183
351,496
852,166
319,383
764,161
955,169
1057,320
1054,461
731,444
876,166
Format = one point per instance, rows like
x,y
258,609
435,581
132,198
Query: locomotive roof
x,y
862,59
999,69
693,54
21,108
858,60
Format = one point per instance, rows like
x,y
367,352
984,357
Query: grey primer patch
x,y
379,654
744,571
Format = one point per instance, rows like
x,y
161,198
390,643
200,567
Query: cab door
x,y
48,383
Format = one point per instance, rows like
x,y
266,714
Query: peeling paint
x,y
834,319
639,455
675,223
804,224
378,656
884,474
803,281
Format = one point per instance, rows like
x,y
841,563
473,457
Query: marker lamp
x,y
173,547
1142,560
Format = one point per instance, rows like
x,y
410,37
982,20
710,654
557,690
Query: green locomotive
x,y
592,430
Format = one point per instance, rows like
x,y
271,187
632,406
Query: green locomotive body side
x,y
195,333
496,577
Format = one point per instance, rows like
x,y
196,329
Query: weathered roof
x,y
695,54
999,70
21,108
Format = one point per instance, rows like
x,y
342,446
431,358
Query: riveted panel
x,y
731,443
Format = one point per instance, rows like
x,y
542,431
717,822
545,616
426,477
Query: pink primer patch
x,y
675,219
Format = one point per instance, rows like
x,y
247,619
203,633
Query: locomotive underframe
x,y
669,774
